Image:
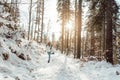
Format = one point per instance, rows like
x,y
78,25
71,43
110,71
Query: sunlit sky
x,y
50,15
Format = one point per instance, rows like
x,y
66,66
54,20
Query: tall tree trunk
x,y
67,41
109,36
79,28
75,28
86,43
70,36
42,24
39,19
92,51
15,14
32,26
30,11
62,35
35,31
104,30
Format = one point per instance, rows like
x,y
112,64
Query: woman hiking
x,y
49,50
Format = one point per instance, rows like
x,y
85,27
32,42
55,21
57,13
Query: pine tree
x,y
105,12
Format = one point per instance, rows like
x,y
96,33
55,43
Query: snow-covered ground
x,y
33,64
60,67
66,68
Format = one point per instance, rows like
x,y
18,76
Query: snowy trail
x,y
57,69
66,68
61,67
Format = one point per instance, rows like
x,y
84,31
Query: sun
x,y
69,26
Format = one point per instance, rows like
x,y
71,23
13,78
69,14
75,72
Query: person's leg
x,y
48,57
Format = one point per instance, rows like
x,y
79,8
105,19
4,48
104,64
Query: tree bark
x,y
75,28
109,36
62,35
42,24
79,29
92,50
30,11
